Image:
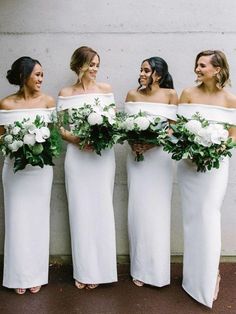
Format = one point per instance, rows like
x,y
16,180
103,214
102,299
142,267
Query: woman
x,y
89,182
202,193
27,210
150,181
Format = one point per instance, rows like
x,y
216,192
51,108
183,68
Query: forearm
x,y
68,136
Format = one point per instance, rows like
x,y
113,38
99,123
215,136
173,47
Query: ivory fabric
x,y
149,205
27,196
89,186
202,194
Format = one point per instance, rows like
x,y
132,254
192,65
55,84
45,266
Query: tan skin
x,y
28,97
208,92
86,85
155,95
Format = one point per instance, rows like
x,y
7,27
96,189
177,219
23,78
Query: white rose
x,y
16,130
95,118
129,124
142,123
42,134
8,139
203,138
193,126
15,145
29,139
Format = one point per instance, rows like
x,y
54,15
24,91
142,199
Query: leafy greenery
x,y
184,144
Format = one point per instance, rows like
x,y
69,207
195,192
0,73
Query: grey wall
x,y
124,33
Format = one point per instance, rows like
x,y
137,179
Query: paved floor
x,y
61,297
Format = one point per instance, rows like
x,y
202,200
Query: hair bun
x,y
12,77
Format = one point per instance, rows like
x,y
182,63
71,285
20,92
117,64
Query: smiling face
x,y
90,71
34,81
205,70
146,74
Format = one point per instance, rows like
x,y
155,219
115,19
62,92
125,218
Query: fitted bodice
x,y
209,112
161,110
10,116
77,101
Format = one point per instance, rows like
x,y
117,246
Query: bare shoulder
x,y
8,102
49,101
231,100
104,88
187,94
132,95
173,97
66,91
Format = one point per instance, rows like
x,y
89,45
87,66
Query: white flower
x,y
32,129
129,124
112,112
95,118
42,134
193,126
217,133
29,139
204,137
15,145
110,118
8,139
16,130
142,123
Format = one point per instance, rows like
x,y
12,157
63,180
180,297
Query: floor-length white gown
x,y
89,186
27,196
149,206
202,194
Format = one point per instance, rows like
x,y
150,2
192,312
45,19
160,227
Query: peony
x,y
193,126
217,133
29,139
8,139
16,130
142,123
42,134
95,118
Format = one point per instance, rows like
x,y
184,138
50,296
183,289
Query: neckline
x,y
86,94
27,109
206,105
148,102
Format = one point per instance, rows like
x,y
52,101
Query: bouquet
x,y
143,128
32,142
204,143
94,125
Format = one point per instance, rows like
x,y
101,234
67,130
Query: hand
x,y
141,148
88,148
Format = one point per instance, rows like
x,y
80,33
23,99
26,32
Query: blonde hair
x,y
218,59
81,59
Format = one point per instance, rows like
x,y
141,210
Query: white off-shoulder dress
x,y
89,186
27,196
149,206
202,194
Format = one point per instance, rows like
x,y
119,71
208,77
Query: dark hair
x,y
218,59
21,70
82,56
159,66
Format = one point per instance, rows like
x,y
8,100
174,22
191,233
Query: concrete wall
x,y
124,33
